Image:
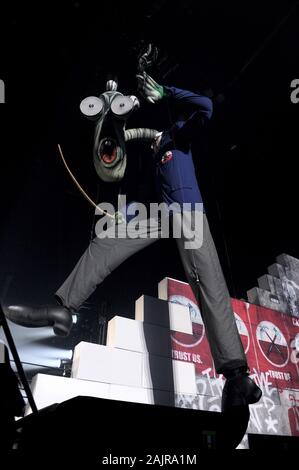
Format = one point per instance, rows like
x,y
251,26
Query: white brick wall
x,y
159,312
50,389
104,364
134,335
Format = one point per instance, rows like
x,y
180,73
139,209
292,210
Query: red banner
x,y
269,338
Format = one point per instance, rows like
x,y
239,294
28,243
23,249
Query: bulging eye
x,y
122,106
91,107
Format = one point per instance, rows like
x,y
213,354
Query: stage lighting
x,y
69,354
66,366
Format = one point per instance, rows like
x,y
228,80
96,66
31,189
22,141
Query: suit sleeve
x,y
194,111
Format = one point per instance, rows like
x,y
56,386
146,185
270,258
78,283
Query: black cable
x,y
18,363
34,364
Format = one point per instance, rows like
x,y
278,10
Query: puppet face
x,y
111,111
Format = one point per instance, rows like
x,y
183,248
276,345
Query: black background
x,y
53,54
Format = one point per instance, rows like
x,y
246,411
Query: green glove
x,y
150,89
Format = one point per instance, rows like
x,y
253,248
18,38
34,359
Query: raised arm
x,y
193,109
194,112
194,102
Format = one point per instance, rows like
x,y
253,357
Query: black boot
x,y
34,317
239,390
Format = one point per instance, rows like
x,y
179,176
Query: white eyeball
x,y
121,106
91,107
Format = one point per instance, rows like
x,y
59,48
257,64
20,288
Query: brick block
x,y
159,312
50,389
166,374
134,335
109,365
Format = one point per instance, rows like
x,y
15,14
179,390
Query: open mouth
x,y
108,151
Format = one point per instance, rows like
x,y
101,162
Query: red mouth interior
x,y
108,151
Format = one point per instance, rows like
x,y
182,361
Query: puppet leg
x,y
206,279
102,256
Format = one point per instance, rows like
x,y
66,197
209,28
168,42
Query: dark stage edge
x,y
98,427
267,442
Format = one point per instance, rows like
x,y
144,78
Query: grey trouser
x,y
203,272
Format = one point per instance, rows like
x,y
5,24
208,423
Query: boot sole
x,y
61,330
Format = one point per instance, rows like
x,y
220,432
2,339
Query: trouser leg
x,y
205,276
102,256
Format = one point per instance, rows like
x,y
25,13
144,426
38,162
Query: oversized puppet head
x,y
110,111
